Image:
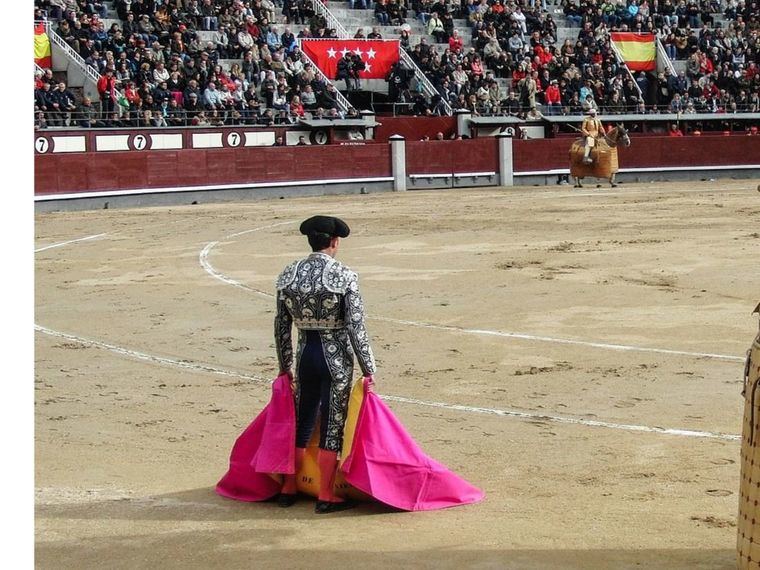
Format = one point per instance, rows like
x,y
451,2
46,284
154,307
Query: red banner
x,y
378,55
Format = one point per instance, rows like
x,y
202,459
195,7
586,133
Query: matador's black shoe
x,y
325,507
285,500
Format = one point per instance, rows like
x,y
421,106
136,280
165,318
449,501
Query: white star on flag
x,y
344,51
358,52
367,67
371,53
331,53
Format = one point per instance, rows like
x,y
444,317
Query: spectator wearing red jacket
x,y
553,98
106,90
455,42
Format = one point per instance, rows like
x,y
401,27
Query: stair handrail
x,y
332,21
663,56
89,72
343,103
619,58
342,33
427,87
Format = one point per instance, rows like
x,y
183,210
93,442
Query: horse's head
x,y
619,135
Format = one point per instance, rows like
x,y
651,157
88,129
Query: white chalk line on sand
x,y
455,407
197,367
68,242
211,270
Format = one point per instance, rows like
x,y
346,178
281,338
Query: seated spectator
x,y
435,28
308,98
396,13
296,107
175,115
381,13
62,105
212,99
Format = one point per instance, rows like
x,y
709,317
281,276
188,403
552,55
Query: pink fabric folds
x,y
386,463
266,446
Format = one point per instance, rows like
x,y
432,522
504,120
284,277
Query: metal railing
x,y
619,58
427,87
664,58
332,21
88,71
343,103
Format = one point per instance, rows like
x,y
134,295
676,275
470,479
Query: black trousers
x,y
314,382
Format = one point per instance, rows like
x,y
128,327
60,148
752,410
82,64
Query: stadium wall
x,y
88,174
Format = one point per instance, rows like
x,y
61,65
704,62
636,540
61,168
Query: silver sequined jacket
x,y
320,293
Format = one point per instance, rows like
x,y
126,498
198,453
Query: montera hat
x,y
328,225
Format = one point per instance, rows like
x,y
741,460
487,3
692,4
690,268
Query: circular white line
x,y
211,270
198,367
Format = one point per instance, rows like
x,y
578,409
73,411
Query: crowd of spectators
x,y
518,40
161,65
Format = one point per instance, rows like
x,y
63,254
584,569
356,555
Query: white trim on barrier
x,y
469,174
455,175
647,169
108,193
554,172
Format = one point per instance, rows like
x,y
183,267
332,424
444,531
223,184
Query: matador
x,y
320,296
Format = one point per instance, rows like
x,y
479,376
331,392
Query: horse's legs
x,y
613,184
577,182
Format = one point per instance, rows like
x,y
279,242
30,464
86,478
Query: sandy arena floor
x,y
154,350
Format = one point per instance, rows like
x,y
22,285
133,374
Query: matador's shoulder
x,y
338,277
288,275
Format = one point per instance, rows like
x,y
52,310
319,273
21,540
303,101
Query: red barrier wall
x,y
87,172
646,152
414,128
452,157
155,169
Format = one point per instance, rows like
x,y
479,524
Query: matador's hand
x,y
369,383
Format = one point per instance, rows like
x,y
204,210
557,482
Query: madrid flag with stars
x,y
378,55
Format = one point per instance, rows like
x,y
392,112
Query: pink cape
x,y
384,461
387,464
266,446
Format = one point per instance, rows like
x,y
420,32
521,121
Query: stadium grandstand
x,y
153,63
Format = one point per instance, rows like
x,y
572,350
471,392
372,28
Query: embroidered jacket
x,y
320,293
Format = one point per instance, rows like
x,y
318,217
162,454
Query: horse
x,y
603,155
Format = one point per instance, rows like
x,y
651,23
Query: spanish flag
x,y
42,53
638,50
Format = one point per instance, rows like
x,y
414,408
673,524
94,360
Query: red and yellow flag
x,y
42,53
638,50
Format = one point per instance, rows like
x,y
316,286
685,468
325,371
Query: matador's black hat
x,y
329,225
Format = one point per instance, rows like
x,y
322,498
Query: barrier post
x,y
506,165
398,162
463,122
369,117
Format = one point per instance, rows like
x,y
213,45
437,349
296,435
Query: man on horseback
x,y
592,130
